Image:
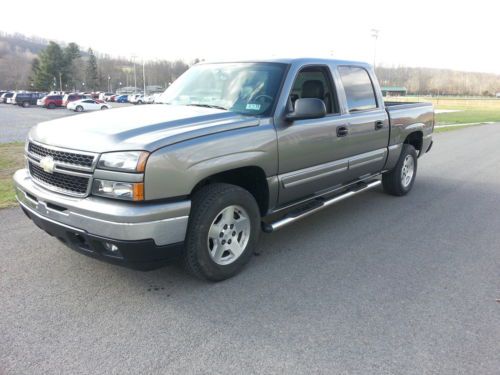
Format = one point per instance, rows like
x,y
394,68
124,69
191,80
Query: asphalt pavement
x,y
16,121
374,285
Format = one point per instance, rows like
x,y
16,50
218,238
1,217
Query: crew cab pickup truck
x,y
233,150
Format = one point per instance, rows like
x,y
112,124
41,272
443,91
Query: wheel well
x,y
415,139
252,179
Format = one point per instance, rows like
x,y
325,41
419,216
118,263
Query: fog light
x,y
110,246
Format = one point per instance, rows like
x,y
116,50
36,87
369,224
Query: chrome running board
x,y
319,205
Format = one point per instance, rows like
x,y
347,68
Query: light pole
x,y
144,75
375,37
109,83
135,75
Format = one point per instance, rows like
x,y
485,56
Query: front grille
x,y
62,156
60,181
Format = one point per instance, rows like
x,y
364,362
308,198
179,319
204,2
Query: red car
x,y
51,101
72,97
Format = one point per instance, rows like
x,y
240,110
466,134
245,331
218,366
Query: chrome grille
x,y
70,158
65,183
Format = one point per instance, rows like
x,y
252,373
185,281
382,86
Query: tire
x,y
104,107
26,104
400,180
139,102
79,109
221,210
51,106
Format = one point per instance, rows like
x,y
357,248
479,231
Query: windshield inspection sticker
x,y
253,107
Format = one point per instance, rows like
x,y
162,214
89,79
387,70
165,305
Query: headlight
x,y
119,190
128,161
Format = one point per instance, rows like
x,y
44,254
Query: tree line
x,y
428,81
68,69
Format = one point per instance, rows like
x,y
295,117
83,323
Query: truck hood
x,y
146,127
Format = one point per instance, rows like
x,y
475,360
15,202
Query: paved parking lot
x,y
16,121
375,285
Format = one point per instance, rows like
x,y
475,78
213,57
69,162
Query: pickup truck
x,y
233,149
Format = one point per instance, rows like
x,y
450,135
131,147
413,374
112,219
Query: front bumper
x,y
143,232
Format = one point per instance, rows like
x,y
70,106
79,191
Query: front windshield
x,y
246,88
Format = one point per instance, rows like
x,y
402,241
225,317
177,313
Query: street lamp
x,y
375,38
109,84
135,75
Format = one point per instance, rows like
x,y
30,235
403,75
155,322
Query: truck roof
x,y
293,61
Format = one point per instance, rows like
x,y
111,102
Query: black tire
x,y
392,181
206,205
26,104
51,106
139,102
103,107
79,108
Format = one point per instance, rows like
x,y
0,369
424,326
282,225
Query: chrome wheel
x,y
407,171
228,235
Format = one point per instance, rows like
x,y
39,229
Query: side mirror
x,y
307,108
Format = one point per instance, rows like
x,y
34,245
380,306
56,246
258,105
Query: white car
x,y
136,99
87,105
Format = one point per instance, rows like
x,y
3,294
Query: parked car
x,y
240,148
72,97
5,96
103,95
137,99
107,96
87,105
121,99
51,101
27,99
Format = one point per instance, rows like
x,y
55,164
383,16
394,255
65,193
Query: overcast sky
x,y
442,34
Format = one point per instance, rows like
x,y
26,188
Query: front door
x,y
313,155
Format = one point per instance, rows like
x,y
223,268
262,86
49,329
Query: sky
x,y
439,34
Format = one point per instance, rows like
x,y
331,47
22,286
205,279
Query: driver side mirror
x,y
307,108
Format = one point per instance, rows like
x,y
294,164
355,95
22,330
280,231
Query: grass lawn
x,y
11,159
471,110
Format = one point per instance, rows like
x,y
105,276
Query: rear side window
x,y
358,88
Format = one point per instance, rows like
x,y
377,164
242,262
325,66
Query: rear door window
x,y
358,88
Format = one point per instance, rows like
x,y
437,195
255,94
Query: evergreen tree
x,y
71,55
91,73
51,64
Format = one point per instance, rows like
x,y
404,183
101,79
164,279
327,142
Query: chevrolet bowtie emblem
x,y
47,164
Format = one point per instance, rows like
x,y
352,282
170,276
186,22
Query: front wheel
x,y
104,107
26,104
400,180
223,231
79,108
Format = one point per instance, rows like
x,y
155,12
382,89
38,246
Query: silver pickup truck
x,y
234,149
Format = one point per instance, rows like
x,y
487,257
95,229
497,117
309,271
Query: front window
x,y
245,88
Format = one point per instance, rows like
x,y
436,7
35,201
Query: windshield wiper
x,y
207,106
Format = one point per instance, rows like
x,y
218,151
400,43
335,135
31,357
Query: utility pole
x,y
135,75
144,75
60,81
375,37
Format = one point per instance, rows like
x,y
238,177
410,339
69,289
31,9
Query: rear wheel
x,y
26,104
222,233
79,108
400,180
51,106
104,107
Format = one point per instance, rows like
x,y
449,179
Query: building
x,y
393,91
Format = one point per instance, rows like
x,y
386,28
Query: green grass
x,y
471,110
11,159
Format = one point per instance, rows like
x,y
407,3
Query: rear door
x,y
367,121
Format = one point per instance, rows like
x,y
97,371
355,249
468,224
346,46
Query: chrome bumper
x,y
164,223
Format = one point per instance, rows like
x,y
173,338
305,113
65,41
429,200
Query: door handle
x,y
379,125
342,131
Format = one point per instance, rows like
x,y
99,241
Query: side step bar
x,y
320,204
